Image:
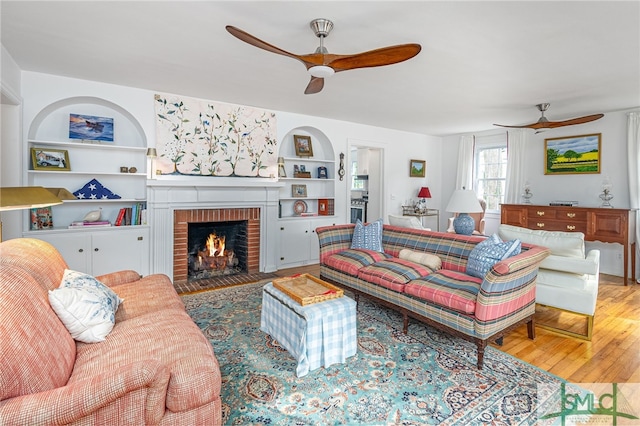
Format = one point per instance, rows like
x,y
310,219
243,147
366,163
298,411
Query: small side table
x,y
410,211
316,335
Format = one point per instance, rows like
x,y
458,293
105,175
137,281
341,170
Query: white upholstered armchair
x,y
568,278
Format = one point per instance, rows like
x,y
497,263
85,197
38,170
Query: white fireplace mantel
x,y
168,194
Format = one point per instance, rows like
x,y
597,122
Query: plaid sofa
x,y
154,368
479,310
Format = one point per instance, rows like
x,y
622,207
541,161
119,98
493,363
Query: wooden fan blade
x,y
315,85
579,120
554,124
254,41
375,58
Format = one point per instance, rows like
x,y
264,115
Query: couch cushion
x,y
169,337
488,253
85,306
350,261
393,273
405,221
561,279
149,294
454,290
36,351
367,237
570,244
427,259
573,265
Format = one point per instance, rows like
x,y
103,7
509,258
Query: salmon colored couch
x,y
154,368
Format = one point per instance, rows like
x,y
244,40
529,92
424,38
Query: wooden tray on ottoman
x,y
307,289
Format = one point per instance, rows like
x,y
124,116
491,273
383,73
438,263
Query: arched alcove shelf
x,y
52,122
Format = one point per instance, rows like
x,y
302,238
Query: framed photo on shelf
x,y
90,128
417,168
50,159
322,173
572,154
299,191
303,146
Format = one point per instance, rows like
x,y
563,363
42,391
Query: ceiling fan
x,y
544,123
322,64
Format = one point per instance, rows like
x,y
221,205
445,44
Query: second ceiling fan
x,y
544,123
322,64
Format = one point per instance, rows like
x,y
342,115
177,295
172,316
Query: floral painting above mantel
x,y
204,138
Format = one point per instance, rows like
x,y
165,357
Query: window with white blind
x,y
490,169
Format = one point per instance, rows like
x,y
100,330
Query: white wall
x,y
584,188
10,137
40,90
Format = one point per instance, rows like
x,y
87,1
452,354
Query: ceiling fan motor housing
x,y
321,27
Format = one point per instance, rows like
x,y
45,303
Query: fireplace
x,y
240,229
217,249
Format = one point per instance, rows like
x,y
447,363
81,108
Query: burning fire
x,y
215,245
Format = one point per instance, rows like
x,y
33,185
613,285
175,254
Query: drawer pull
x,y
571,227
571,215
539,213
540,225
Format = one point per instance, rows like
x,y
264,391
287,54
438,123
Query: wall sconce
x,y
151,160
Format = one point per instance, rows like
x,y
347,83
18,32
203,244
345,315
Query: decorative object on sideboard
x,y
417,168
50,159
544,123
527,194
341,169
303,146
606,195
281,171
572,154
464,201
25,197
423,194
152,154
321,64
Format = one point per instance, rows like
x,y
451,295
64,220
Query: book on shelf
x,y
83,224
41,218
134,215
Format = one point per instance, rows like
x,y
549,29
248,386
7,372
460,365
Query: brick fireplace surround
x,y
170,197
182,219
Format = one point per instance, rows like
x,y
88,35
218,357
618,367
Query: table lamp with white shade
x,y
463,202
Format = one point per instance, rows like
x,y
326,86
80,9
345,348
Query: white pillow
x,y
427,259
85,306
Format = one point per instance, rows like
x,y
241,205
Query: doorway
x,y
366,177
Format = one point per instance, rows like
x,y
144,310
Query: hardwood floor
x,y
612,356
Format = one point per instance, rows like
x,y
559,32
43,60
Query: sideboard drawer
x,y
571,215
558,225
541,213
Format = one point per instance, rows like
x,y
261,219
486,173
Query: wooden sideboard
x,y
597,224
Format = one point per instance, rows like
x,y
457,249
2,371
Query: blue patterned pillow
x,y
488,253
368,237
85,306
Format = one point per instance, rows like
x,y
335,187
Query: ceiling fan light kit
x,y
544,123
322,64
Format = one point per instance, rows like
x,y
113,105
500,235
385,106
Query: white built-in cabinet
x,y
298,239
99,250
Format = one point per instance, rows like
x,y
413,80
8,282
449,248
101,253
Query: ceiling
x,y
481,62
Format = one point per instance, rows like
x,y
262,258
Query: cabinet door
x,y
314,245
74,248
120,250
294,242
514,215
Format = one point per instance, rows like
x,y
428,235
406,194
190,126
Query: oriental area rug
x,y
422,378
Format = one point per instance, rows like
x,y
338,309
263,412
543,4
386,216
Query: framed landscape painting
x,y
572,154
417,168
